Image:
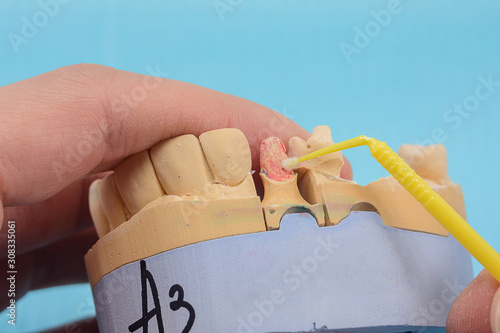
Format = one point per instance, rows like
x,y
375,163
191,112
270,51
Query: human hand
x,y
477,308
61,129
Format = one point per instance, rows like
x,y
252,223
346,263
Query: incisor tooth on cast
x,y
429,162
111,202
228,155
137,182
101,222
181,166
321,138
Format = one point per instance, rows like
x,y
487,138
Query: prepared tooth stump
x,y
187,245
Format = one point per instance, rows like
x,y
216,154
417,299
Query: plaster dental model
x,y
319,182
186,245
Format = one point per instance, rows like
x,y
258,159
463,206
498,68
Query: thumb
x,y
495,313
472,309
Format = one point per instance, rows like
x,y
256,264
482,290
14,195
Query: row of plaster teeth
x,y
217,165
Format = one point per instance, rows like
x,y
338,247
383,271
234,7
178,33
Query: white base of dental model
x,y
358,276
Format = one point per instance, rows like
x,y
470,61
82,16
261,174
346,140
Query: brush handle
x,y
436,206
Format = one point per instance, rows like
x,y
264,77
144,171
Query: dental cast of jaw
x,y
187,189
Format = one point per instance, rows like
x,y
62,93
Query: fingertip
x,y
346,171
1,214
495,313
471,310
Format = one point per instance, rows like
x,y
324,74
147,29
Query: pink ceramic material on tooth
x,y
272,154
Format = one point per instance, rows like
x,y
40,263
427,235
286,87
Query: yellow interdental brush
x,y
424,194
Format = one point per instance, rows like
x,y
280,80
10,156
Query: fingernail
x,y
495,313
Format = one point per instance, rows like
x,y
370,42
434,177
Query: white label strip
x,y
355,276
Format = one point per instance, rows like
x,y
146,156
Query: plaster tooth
x,y
244,190
429,162
321,138
181,166
228,155
101,222
112,203
280,186
137,182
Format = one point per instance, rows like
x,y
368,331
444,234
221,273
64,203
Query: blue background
x,y
287,55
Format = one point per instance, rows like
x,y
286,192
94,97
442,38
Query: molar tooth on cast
x,y
429,162
136,181
111,201
318,171
228,155
101,222
321,137
181,166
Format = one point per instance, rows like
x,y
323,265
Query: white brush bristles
x,y
290,163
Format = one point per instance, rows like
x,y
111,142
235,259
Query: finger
x,y
88,325
57,217
346,171
57,264
66,124
45,222
62,262
471,310
495,313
